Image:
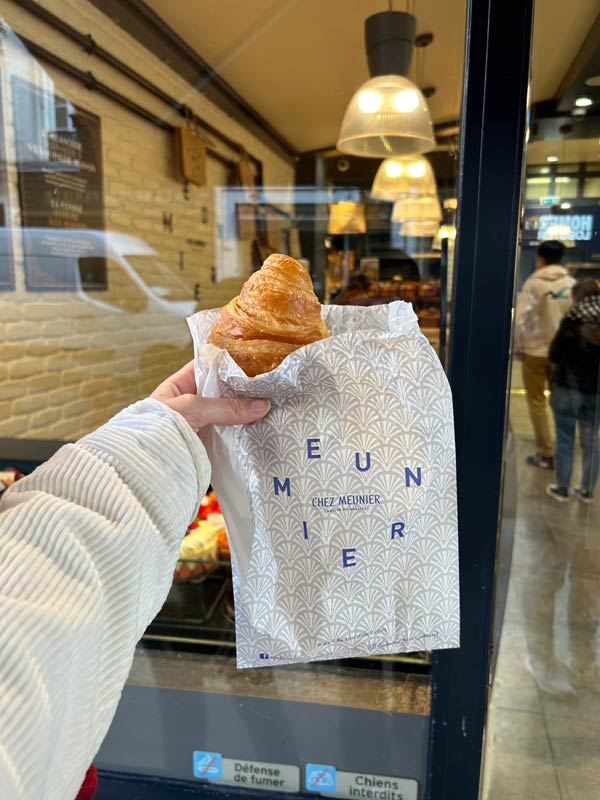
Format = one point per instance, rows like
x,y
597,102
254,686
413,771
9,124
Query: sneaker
x,y
538,460
558,493
585,497
550,678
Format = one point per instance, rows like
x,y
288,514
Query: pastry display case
x,y
419,279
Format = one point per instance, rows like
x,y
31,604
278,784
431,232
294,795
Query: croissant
x,y
275,313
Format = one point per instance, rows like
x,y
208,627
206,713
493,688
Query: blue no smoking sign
x,y
320,778
208,765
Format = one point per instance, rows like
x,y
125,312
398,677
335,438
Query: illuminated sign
x,y
566,227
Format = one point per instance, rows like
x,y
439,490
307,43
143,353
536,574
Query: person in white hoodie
x,y
543,301
73,600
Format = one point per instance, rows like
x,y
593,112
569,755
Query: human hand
x,y
179,393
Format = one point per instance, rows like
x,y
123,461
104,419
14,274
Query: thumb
x,y
202,411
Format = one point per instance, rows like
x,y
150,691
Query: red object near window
x,y
89,786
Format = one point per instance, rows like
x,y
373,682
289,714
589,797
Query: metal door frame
x,y
493,132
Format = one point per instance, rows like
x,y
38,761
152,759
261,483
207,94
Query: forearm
x,y
87,548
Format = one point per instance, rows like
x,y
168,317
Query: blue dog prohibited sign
x,y
320,778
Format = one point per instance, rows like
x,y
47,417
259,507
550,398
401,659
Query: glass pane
x,y
566,186
544,698
536,187
138,186
591,186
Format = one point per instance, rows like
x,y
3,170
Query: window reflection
x,y
545,701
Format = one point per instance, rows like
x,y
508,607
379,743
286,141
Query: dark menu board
x,y
59,166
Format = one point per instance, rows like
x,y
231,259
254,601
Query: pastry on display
x,y
408,291
387,289
208,505
7,477
199,548
223,545
429,317
198,551
429,291
275,313
223,551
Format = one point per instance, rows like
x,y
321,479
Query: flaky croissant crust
x,y
275,313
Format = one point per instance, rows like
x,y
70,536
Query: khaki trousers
x,y
535,379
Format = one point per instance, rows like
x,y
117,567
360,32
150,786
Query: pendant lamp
x,y
447,232
404,178
423,228
444,232
388,114
427,209
346,216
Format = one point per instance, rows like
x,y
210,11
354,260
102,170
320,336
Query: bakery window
x,y
146,176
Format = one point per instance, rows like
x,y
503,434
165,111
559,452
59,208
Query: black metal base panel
x,y
156,732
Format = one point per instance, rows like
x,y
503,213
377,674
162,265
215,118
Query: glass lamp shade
x,y
427,208
404,178
388,115
426,227
444,232
346,217
447,232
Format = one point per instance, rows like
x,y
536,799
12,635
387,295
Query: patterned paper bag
x,y
340,504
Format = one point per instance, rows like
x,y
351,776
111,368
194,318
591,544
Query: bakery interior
x,y
209,156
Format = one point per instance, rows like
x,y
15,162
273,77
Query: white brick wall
x,y
68,364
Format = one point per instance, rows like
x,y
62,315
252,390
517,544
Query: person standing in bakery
x,y
575,357
72,602
542,302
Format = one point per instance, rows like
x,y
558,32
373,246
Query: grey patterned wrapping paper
x,y
340,505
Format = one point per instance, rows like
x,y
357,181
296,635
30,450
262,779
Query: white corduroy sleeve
x,y
88,544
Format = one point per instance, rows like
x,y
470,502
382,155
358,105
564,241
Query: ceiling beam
x,y
585,64
151,31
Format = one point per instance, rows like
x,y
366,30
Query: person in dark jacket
x,y
575,356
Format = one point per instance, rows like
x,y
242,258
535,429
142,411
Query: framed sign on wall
x,y
59,167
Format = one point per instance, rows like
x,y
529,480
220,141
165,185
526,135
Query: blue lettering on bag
x,y
282,487
348,556
305,528
312,448
397,530
367,462
410,475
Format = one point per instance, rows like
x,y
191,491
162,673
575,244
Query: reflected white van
x,y
90,320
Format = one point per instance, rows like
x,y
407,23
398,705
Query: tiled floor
x,y
542,742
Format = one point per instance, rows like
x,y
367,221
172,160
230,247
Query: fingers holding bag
x,y
178,392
